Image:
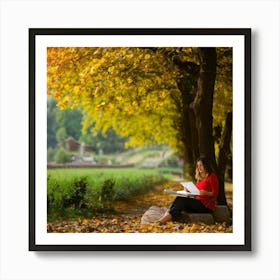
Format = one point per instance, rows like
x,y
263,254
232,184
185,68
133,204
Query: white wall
x,y
17,262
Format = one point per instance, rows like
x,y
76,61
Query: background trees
x,y
68,123
178,96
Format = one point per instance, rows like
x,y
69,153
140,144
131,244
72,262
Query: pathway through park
x,y
127,217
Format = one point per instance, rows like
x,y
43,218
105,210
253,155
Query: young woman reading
x,y
205,202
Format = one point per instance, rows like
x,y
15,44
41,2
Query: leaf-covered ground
x,y
127,217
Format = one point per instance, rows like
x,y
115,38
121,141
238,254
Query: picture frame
x,y
239,39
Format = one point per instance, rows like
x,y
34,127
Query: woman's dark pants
x,y
187,204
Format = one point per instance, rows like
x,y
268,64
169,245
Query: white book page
x,y
191,187
183,193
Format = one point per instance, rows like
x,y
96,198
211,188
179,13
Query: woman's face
x,y
200,167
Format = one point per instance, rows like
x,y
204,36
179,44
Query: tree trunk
x,y
224,151
202,108
196,123
203,104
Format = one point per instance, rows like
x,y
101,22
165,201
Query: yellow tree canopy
x,y
130,89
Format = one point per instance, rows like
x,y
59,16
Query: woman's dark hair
x,y
205,163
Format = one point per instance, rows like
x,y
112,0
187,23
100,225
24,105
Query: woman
x,y
205,202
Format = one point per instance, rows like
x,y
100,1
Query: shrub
x,y
81,193
107,193
55,193
62,156
67,198
50,154
76,197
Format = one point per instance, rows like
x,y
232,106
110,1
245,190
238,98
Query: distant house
x,y
74,146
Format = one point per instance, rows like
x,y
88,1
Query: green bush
x,y
50,154
67,198
62,156
70,195
56,193
107,193
76,196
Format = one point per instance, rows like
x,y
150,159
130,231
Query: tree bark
x,y
196,123
224,151
202,108
203,104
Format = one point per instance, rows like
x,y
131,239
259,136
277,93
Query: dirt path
x,y
139,204
127,218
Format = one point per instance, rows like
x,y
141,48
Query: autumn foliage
x,y
175,96
127,218
181,97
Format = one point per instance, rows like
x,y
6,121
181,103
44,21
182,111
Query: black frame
x,y
246,32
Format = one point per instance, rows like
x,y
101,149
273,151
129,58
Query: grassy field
x,y
82,192
100,173
74,192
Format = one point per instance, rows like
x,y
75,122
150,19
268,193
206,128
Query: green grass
x,y
98,173
80,192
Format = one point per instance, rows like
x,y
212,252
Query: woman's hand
x,y
197,174
202,192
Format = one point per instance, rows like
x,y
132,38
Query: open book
x,y
190,189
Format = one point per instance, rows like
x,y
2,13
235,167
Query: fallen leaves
x,y
131,224
127,219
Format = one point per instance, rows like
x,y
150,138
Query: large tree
x,y
203,107
150,95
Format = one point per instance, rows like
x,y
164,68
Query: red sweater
x,y
210,184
